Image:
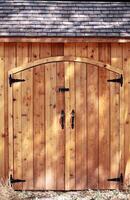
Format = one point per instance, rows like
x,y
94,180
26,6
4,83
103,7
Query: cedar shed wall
x,y
105,163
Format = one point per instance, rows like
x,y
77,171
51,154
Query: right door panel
x,y
92,144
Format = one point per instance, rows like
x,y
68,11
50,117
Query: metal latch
x,y
63,89
118,179
118,80
13,80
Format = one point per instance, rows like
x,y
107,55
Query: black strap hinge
x,y
118,80
13,80
12,180
118,179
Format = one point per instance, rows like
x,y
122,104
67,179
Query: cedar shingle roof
x,y
64,18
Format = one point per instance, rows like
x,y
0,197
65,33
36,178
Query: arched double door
x,y
61,126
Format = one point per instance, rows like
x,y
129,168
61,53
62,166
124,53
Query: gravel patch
x,y
76,195
7,193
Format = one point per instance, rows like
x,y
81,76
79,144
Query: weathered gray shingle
x,y
64,18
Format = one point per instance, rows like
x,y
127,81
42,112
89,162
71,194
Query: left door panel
x,y
38,137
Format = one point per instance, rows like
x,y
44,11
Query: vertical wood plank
x,y
58,50
116,54
51,125
60,102
122,119
45,51
39,128
69,49
21,59
70,133
10,62
2,124
17,129
92,94
49,184
81,117
27,125
10,123
126,68
104,115
38,119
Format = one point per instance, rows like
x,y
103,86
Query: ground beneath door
x,y
7,193
79,195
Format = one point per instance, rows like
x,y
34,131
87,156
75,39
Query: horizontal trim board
x,y
66,39
65,59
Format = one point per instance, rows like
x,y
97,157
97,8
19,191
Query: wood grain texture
x,y
27,126
70,133
45,51
17,92
81,118
93,129
2,126
104,116
58,49
9,62
115,114
126,66
17,131
65,39
38,120
66,58
80,154
51,128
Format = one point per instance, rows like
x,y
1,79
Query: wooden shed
x,y
65,94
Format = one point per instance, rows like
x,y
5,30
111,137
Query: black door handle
x,y
62,119
72,119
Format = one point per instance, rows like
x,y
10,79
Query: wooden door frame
x,y
66,59
46,61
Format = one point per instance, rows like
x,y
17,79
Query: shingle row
x,y
64,18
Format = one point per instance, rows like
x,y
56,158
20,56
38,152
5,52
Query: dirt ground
x,y
79,195
7,193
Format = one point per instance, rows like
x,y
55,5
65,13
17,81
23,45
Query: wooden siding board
x,y
2,108
92,94
115,114
27,125
60,101
104,116
126,65
17,131
58,49
81,118
65,39
9,62
45,51
21,53
69,49
51,119
38,120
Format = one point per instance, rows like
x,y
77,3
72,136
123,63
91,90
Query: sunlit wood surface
x,y
51,158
